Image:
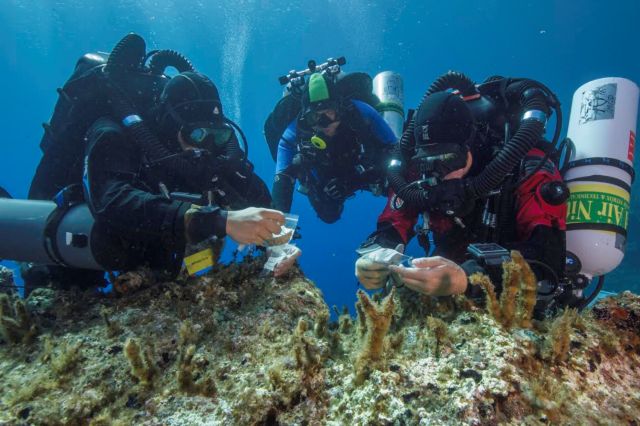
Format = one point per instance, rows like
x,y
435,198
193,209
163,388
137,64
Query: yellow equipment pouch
x,y
199,262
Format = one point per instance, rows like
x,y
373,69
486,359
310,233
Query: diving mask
x,y
320,119
322,116
207,135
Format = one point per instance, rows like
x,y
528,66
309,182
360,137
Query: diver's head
x,y
190,108
444,130
321,105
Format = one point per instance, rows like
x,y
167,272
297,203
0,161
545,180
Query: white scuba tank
x,y
389,88
602,125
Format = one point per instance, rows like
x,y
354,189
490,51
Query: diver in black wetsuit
x,y
162,167
131,200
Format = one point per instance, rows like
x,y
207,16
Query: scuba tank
x,y
602,127
50,233
388,87
384,93
124,83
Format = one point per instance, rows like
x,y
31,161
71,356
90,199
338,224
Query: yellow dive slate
x,y
199,262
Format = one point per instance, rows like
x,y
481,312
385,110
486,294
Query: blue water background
x,y
245,45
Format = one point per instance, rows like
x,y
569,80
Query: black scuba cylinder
x,y
161,60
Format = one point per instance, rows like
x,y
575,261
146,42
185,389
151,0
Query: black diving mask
x,y
318,117
207,135
321,120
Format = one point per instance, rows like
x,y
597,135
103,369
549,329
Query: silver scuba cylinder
x,y
32,231
389,88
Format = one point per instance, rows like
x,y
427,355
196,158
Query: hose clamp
x,y
535,114
130,120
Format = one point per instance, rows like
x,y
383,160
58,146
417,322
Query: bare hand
x,y
285,264
435,276
372,274
254,225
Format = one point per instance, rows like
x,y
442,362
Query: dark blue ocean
x,y
245,45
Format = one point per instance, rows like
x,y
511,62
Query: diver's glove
x,y
337,189
202,222
372,268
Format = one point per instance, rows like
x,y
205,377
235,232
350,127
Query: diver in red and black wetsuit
x,y
474,165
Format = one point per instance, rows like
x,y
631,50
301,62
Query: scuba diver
x,y
141,165
337,143
473,163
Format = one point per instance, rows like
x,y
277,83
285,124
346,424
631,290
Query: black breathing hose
x,y
410,193
527,94
524,92
508,157
160,60
127,56
568,145
128,52
151,146
452,80
555,104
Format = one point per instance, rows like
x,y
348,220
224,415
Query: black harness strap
x,y
604,161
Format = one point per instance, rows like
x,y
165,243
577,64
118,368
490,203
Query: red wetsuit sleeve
x,y
402,220
531,208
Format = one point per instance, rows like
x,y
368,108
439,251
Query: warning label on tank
x,y
599,103
591,204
